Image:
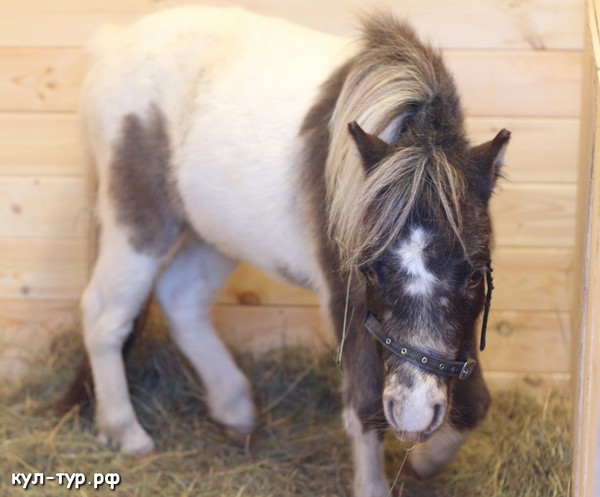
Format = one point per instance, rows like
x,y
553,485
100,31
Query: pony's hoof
x,y
134,443
238,435
235,412
372,489
102,439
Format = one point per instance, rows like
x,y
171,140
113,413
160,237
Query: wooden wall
x,y
517,63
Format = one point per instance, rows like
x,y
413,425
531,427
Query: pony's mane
x,y
396,85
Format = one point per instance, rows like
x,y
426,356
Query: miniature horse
x,y
221,136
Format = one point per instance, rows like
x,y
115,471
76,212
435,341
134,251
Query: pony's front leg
x,y
363,415
368,456
471,401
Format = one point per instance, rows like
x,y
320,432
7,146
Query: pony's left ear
x,y
372,149
489,158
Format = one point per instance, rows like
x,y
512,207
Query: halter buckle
x,y
467,369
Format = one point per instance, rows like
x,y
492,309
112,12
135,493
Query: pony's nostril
x,y
388,407
438,417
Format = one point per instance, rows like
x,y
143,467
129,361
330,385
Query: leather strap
x,y
489,281
432,363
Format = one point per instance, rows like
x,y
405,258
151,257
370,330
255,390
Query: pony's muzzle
x,y
413,426
414,417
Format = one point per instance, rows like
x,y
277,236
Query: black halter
x,y
433,363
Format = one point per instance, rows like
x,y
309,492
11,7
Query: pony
x,y
342,166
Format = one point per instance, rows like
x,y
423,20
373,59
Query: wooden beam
x,y
586,352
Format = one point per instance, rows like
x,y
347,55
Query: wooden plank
x,y
525,279
28,326
534,215
261,328
513,342
515,338
63,23
539,385
250,286
532,279
538,24
540,151
40,144
43,207
523,83
515,83
586,356
529,215
42,269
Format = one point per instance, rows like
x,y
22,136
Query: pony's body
x,y
225,84
220,136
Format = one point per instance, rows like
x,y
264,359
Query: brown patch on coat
x,y
141,184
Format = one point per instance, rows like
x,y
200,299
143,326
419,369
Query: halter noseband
x,y
433,363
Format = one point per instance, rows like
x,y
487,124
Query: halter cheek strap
x,y
489,281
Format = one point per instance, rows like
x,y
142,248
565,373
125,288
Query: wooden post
x,y
586,309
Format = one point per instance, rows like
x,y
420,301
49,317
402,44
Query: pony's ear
x,y
372,149
489,158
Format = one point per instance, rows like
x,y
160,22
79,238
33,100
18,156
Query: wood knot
x,y
248,298
504,328
533,381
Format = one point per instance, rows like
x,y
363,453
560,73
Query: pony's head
x,y
425,251
409,206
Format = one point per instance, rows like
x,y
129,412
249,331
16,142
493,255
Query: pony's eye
x,y
475,277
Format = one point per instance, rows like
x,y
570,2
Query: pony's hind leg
x,y
186,290
120,284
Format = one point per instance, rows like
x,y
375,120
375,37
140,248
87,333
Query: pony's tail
x,y
81,389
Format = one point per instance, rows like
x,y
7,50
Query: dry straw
x,y
299,448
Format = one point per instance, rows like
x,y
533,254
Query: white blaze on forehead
x,y
412,259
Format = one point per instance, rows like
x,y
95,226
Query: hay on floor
x,y
299,448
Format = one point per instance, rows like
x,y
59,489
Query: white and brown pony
x,y
219,136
